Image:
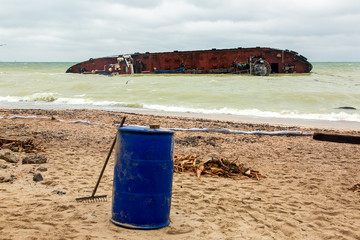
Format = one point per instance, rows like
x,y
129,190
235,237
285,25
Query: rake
x,y
100,198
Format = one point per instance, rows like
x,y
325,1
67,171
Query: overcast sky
x,y
76,30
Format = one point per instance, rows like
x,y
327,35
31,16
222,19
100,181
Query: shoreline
x,y
305,123
311,123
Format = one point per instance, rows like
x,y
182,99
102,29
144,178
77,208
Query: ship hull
x,y
255,61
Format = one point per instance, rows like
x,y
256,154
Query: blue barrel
x,y
143,177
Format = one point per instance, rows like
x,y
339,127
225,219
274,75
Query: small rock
x,y
9,156
3,166
35,159
59,192
42,169
37,177
346,107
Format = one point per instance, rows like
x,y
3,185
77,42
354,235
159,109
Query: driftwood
x,y
215,167
22,144
355,188
337,138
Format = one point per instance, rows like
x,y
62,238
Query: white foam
x,y
341,116
44,97
13,99
49,100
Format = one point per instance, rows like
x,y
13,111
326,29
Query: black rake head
x,y
102,198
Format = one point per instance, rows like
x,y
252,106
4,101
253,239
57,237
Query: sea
x,y
328,96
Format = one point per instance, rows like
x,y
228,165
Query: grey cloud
x,y
66,30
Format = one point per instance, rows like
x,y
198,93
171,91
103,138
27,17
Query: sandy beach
x,y
305,194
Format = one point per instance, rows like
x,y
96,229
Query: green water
x,y
317,95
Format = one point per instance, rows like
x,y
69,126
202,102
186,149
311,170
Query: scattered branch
x,y
215,167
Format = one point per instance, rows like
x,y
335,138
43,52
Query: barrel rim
x,y
143,129
140,226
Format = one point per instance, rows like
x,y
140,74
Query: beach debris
x,y
38,177
9,179
34,159
225,130
214,167
42,169
355,188
347,108
21,144
59,192
337,138
9,156
16,116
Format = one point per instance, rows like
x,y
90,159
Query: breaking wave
x,y
340,116
44,97
49,100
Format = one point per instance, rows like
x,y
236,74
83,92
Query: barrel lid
x,y
143,129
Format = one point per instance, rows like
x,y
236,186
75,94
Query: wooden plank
x,y
337,138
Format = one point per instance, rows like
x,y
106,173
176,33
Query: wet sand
x,y
305,194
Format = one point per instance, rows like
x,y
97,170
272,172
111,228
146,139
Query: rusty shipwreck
x,y
255,61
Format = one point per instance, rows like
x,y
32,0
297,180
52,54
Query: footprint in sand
x,y
182,229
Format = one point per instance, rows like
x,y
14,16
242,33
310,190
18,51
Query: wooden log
x,y
337,138
4,139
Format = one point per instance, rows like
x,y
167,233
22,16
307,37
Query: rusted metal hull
x,y
255,61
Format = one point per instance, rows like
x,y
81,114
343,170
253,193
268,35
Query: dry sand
x,y
305,195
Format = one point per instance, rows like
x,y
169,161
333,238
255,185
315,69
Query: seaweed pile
x,y
22,144
215,167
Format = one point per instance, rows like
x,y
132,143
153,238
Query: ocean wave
x,y
53,99
133,105
12,99
339,116
37,97
44,97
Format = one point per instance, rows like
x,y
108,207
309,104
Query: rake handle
x,y
107,159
